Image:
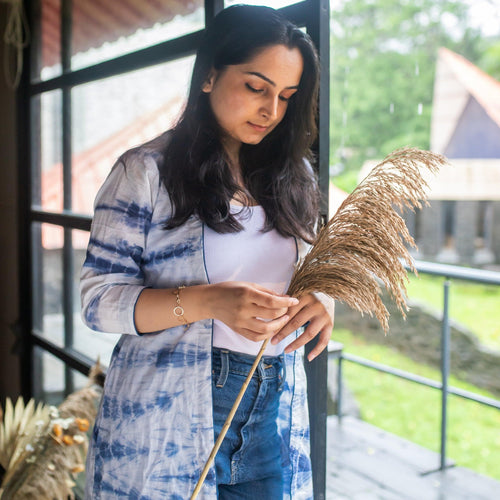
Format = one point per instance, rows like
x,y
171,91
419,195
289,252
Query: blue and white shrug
x,y
154,429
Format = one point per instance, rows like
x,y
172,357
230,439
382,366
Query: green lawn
x,y
474,305
412,411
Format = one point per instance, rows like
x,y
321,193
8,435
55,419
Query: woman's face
x,y
250,99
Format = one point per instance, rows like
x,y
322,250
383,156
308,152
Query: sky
x,y
484,14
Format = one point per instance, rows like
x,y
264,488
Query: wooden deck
x,y
367,463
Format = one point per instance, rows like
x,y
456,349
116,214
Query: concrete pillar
x,y
431,230
466,219
495,239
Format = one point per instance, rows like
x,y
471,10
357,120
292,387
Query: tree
x,y
490,60
383,62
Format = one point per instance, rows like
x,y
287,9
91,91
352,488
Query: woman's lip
x,y
259,128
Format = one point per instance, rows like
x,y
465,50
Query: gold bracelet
x,y
178,309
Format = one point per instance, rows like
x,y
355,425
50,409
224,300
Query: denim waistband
x,y
226,361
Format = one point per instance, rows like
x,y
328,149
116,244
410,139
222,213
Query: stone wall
x,y
419,338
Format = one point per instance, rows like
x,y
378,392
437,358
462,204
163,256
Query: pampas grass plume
x,y
365,242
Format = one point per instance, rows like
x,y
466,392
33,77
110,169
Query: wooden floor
x,y
367,463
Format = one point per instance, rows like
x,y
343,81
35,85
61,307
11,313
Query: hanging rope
x,y
16,38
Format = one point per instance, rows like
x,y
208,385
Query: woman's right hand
x,y
251,310
248,309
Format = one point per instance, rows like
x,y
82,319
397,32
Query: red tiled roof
x,y
98,21
484,88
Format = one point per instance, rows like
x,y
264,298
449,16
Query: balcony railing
x,y
448,272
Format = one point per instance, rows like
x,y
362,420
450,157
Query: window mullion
x,y
212,7
318,27
67,258
162,52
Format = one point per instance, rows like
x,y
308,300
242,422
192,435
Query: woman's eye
x,y
253,89
287,96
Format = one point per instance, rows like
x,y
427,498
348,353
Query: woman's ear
x,y
208,84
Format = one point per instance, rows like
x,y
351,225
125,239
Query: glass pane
x,y
53,380
48,318
47,176
49,381
92,344
103,127
103,30
47,59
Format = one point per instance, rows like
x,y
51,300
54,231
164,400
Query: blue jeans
x,y
249,463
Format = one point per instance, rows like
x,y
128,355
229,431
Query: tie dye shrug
x,y
153,431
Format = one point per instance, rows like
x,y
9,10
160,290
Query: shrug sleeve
x,y
112,277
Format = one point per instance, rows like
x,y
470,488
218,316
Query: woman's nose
x,y
270,108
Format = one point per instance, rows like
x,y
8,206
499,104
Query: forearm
x,y
154,310
247,308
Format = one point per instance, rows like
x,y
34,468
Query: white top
x,y
264,258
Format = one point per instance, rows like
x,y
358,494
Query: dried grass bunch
x,y
363,244
43,448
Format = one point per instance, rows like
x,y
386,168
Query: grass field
x,y
474,305
413,411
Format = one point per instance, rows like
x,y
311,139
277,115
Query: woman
x,y
193,242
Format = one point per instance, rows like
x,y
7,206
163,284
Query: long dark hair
x,y
276,172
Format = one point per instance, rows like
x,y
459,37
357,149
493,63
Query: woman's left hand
x,y
309,310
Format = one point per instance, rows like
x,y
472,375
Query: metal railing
x,y
448,272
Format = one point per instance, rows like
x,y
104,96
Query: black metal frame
x,y
318,27
313,14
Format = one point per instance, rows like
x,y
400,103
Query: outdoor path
x,y
367,463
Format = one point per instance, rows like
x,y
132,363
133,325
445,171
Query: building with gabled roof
x,y
463,223
466,109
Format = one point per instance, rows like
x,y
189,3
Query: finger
x,y
269,300
268,314
296,321
250,334
268,290
267,328
307,307
324,338
309,333
254,336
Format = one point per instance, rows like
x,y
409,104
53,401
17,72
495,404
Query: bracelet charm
x,y
178,309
